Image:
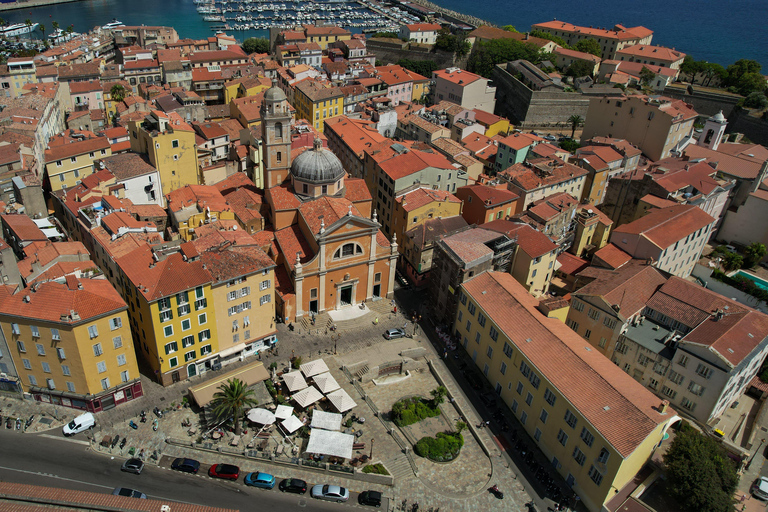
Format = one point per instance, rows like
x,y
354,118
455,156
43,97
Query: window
x,y
186,324
184,309
489,352
204,335
704,371
97,351
124,376
683,360
117,342
461,315
469,326
507,349
481,319
578,305
164,303
688,404
32,380
205,350
189,356
65,370
486,368
593,314
495,337
168,330
202,319
594,474
579,456
27,364
562,437
666,391
520,388
587,334
523,417
199,292
93,331
105,384
35,331
570,419
15,329
264,285
609,322
40,349
550,397
544,415
175,143
602,342
529,398
676,377
265,299
71,387
166,315
20,346
471,308
587,436
503,368
101,366
115,323
537,434
171,347
524,369
121,360
60,353
173,362
696,389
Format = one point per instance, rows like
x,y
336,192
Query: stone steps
x,y
362,371
399,467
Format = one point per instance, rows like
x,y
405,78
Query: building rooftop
x,y
626,289
533,243
420,197
666,226
168,276
457,76
619,32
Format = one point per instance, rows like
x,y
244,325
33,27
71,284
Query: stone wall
x,y
754,128
453,15
705,101
531,109
388,53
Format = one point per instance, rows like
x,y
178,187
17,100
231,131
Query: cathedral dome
x,y
719,117
317,165
274,93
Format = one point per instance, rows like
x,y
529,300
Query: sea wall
x,y
389,51
453,15
705,101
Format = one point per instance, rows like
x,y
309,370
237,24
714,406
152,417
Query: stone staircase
x,y
322,322
362,371
399,467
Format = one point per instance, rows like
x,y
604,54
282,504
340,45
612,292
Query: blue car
x,y
258,479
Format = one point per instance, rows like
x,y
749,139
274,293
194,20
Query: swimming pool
x,y
760,283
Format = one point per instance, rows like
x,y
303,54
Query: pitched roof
x,y
125,166
409,162
23,228
291,242
63,151
618,32
157,279
533,243
518,141
610,256
629,287
424,27
666,226
620,408
423,196
647,51
489,196
457,77
432,229
570,264
542,174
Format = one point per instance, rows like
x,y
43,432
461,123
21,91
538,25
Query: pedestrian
x,y
445,353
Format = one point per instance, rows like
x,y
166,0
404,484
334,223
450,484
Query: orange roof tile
x,y
423,196
666,226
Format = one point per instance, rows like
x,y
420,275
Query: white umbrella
x,y
341,400
295,381
308,396
262,416
326,420
292,424
283,412
325,382
315,367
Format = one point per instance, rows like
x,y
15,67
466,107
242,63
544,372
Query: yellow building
x,y
169,143
325,35
195,205
71,343
596,424
417,206
67,164
246,110
593,228
494,125
318,101
110,105
174,319
21,71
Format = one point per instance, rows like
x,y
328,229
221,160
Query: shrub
x,y
412,410
376,469
296,363
443,447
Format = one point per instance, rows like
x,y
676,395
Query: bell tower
x,y
276,136
713,132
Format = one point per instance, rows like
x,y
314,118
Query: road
x,y
69,464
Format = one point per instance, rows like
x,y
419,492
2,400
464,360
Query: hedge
x,y
444,447
742,283
412,410
377,469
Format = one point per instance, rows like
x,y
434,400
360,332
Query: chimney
x,y
663,406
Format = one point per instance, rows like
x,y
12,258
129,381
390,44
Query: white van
x,y
80,424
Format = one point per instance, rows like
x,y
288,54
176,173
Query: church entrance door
x,y
346,295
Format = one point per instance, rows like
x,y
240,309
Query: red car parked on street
x,y
227,471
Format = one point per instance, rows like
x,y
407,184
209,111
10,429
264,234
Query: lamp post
x,y
371,455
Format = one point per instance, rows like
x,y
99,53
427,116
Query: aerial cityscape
x,y
380,253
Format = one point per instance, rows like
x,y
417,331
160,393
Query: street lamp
x,y
371,456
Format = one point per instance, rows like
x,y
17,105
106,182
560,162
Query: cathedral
x,y
329,250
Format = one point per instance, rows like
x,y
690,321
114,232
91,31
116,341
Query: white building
x,y
424,33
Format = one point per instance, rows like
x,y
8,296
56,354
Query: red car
x,y
227,471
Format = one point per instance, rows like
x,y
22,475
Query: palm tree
x,y
232,398
575,120
117,93
70,29
28,23
55,27
42,29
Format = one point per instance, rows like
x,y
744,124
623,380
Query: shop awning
x,y
283,412
325,382
326,420
315,367
307,396
325,442
341,400
250,374
292,424
294,381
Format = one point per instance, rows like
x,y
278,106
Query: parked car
x,y
293,485
226,471
392,334
79,424
760,488
131,493
372,498
186,465
330,493
133,466
259,479
550,137
474,380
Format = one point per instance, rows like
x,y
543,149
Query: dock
x,y
30,4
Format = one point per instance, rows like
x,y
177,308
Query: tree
x,y
731,261
452,43
256,45
756,100
487,54
569,145
422,67
438,395
575,121
580,68
588,45
754,253
549,37
740,68
749,83
42,30
231,399
713,70
700,474
392,35
646,76
28,23
117,93
510,28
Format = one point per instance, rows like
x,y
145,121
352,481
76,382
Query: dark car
x,y
372,498
130,493
227,471
133,466
186,465
474,381
293,485
392,334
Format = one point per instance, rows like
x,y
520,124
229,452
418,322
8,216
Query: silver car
x,y
330,493
130,493
760,488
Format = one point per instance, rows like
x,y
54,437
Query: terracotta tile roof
x,y
291,241
430,230
63,269
549,207
157,279
44,253
570,264
618,32
330,209
652,52
63,151
245,203
319,91
458,77
423,196
226,261
527,178
532,242
740,166
489,196
412,161
357,191
657,201
52,301
469,246
518,141
573,54
84,87
147,210
282,198
128,165
233,52
424,27
487,33
23,228
620,408
201,195
394,75
356,134
382,240
210,130
312,30
449,146
666,226
603,218
629,287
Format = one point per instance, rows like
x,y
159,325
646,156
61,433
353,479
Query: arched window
x,y
279,130
347,250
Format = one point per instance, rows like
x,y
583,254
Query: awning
x,y
335,444
325,382
232,350
283,412
250,374
315,367
292,424
307,397
341,400
261,416
294,381
326,420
